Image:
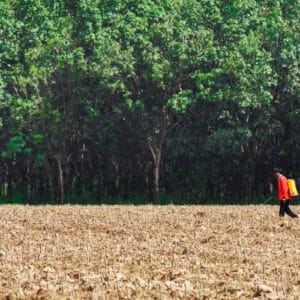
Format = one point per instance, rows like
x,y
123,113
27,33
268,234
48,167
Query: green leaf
x,y
40,157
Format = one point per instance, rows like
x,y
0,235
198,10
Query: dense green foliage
x,y
189,100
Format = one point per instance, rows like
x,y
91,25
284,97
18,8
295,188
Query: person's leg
x,y
282,208
289,211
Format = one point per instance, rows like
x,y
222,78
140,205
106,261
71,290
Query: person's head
x,y
275,172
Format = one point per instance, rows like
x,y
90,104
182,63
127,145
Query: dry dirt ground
x,y
148,252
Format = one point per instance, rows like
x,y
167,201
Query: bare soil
x,y
148,252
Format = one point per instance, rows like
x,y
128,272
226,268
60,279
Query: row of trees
x,y
197,100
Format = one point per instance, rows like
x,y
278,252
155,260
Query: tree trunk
x,y
156,155
9,192
117,177
61,180
147,180
49,179
156,177
156,147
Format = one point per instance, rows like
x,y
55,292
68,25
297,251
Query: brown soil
x,y
148,252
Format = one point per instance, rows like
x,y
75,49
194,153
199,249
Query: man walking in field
x,y
283,195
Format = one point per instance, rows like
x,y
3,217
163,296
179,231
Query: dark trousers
x,y
285,208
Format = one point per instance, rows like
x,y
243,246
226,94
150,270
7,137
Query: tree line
x,y
193,101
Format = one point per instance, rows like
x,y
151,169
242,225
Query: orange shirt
x,y
283,190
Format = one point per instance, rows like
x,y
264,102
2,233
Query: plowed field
x,y
148,252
